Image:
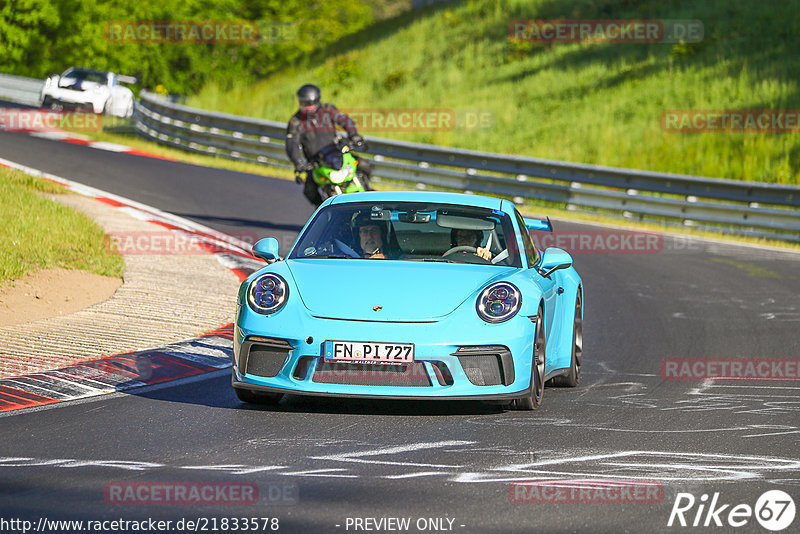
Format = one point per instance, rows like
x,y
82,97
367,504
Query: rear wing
x,y
542,225
121,78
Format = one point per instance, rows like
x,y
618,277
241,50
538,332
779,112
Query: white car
x,y
97,90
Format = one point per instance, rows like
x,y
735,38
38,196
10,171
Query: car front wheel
x,y
534,398
573,377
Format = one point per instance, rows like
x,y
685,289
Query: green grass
x,y
582,102
39,233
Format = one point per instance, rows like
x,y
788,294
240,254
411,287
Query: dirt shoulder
x,y
52,292
164,298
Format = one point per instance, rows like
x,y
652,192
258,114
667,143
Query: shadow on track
x,y
216,392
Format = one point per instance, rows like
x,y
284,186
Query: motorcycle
x,y
336,171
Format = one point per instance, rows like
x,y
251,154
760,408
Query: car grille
x,y
365,374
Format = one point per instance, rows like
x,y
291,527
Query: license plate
x,y
357,351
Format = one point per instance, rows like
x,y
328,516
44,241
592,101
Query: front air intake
x,y
487,366
263,356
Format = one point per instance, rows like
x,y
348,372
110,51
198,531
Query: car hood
x,y
403,290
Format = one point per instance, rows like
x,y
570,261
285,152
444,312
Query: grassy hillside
x,y
595,103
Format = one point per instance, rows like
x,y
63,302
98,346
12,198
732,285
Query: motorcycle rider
x,y
311,129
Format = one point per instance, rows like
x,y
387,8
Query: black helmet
x,y
308,95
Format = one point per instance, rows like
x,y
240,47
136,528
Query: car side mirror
x,y
554,259
267,249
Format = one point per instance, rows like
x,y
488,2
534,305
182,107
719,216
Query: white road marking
x,y
358,457
320,473
111,147
664,466
234,469
415,475
59,135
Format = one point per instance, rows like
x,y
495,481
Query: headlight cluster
x,y
340,176
499,302
267,294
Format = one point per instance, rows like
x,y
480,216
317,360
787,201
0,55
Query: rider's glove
x,y
300,169
357,140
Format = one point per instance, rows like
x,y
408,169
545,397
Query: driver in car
x,y
460,237
372,237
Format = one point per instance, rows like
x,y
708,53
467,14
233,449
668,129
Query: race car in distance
x,y
412,295
95,90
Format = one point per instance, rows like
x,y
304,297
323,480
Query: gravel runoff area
x,y
164,298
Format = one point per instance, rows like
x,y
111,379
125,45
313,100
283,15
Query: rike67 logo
x,y
774,510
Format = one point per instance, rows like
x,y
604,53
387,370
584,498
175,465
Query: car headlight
x,y
267,294
499,302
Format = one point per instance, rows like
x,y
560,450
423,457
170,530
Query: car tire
x,y
258,397
573,377
534,399
107,107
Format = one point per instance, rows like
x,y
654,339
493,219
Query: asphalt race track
x,y
319,464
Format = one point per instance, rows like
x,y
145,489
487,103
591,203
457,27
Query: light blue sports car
x,y
410,295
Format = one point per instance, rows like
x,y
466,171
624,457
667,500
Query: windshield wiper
x,y
438,260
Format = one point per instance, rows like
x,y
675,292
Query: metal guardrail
x,y
722,205
20,89
740,207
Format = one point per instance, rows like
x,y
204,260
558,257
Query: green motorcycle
x,y
336,171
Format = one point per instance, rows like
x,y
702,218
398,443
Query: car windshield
x,y
410,231
87,76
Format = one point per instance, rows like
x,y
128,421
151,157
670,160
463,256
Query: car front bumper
x,y
75,99
477,361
